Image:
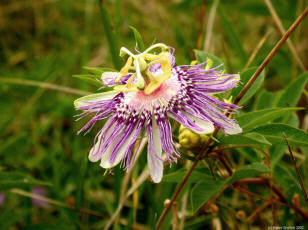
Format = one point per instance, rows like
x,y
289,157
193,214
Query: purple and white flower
x,y
2,198
148,91
41,191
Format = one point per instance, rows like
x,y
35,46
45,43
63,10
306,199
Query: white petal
x,y
233,130
107,77
207,126
105,160
155,163
94,155
83,101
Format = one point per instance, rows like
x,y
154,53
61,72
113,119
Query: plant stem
x,y
297,209
297,171
258,211
271,55
239,97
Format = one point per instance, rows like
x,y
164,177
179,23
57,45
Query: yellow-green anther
x,y
194,62
209,63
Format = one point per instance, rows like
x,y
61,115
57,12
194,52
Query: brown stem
x,y
250,181
237,99
209,164
224,162
258,211
297,209
297,171
235,147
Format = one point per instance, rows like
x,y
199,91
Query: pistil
x,y
140,64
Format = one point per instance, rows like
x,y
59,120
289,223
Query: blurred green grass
x,y
50,40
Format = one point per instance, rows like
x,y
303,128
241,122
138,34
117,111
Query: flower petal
x,y
94,156
90,99
207,126
155,163
106,161
235,129
109,78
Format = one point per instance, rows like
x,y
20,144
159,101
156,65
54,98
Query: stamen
x,y
163,59
125,69
139,64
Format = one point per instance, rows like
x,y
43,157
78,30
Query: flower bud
x,y
190,139
296,200
241,215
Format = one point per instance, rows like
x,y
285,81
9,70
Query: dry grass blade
x,y
210,23
55,202
43,85
282,32
256,50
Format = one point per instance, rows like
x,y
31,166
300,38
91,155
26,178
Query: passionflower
x,y
148,91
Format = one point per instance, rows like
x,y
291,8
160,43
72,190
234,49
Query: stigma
x,y
142,69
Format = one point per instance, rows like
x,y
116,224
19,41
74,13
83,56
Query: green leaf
x,y
245,76
248,171
9,218
292,93
10,180
244,139
253,119
293,120
112,38
138,38
266,99
195,176
203,56
274,133
232,36
251,154
276,153
204,191
98,70
207,188
286,178
93,79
